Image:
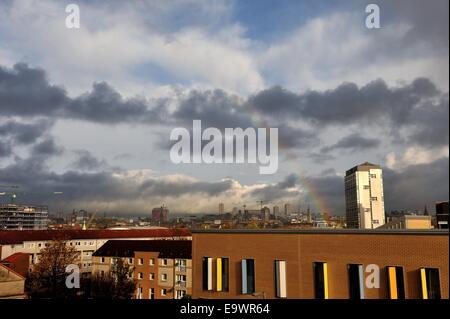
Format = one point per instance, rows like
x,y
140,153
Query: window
x,y
152,262
179,294
222,272
152,276
164,277
248,276
182,262
280,278
207,273
140,261
431,288
374,198
151,293
102,260
164,262
320,280
163,292
373,175
140,275
366,187
130,261
356,281
396,284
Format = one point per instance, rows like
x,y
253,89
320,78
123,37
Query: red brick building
x,y
309,264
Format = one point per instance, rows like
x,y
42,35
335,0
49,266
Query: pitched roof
x,y
12,271
15,257
127,248
19,236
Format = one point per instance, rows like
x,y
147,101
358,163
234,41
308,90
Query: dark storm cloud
x,y
183,187
47,148
87,162
24,133
5,149
214,108
278,190
428,21
416,185
352,142
347,103
102,186
105,105
26,92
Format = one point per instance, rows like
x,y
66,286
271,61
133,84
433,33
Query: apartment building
x,y
162,269
324,264
85,241
364,196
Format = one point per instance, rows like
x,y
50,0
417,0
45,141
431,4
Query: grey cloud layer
x,y
26,92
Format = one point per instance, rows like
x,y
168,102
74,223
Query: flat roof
x,y
430,232
20,236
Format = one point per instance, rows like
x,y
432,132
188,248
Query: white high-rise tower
x,y
364,197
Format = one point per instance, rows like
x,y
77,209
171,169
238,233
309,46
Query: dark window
x,y
431,287
225,274
320,280
356,281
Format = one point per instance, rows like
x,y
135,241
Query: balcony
x,y
181,284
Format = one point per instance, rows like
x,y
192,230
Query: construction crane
x,y
88,223
14,194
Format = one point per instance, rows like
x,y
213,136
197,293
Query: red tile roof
x,y
15,257
19,236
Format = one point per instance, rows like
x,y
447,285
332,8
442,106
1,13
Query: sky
x,y
89,111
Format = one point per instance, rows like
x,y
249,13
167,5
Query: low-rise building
x,y
335,264
12,284
409,222
84,241
162,269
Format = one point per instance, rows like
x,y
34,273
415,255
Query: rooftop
x,y
166,248
362,167
322,231
20,236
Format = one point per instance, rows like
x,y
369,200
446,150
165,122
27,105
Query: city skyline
x,y
88,112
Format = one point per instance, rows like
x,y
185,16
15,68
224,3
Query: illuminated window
x,y
222,274
280,278
356,281
207,273
396,284
431,286
320,280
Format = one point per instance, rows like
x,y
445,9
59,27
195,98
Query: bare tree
x,y
48,277
116,284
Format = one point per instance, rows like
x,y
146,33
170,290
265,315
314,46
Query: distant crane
x,y
87,224
13,194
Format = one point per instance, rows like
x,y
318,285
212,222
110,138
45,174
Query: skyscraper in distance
x,y
364,197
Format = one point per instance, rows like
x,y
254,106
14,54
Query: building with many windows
x,y
85,241
364,197
328,264
161,268
18,217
